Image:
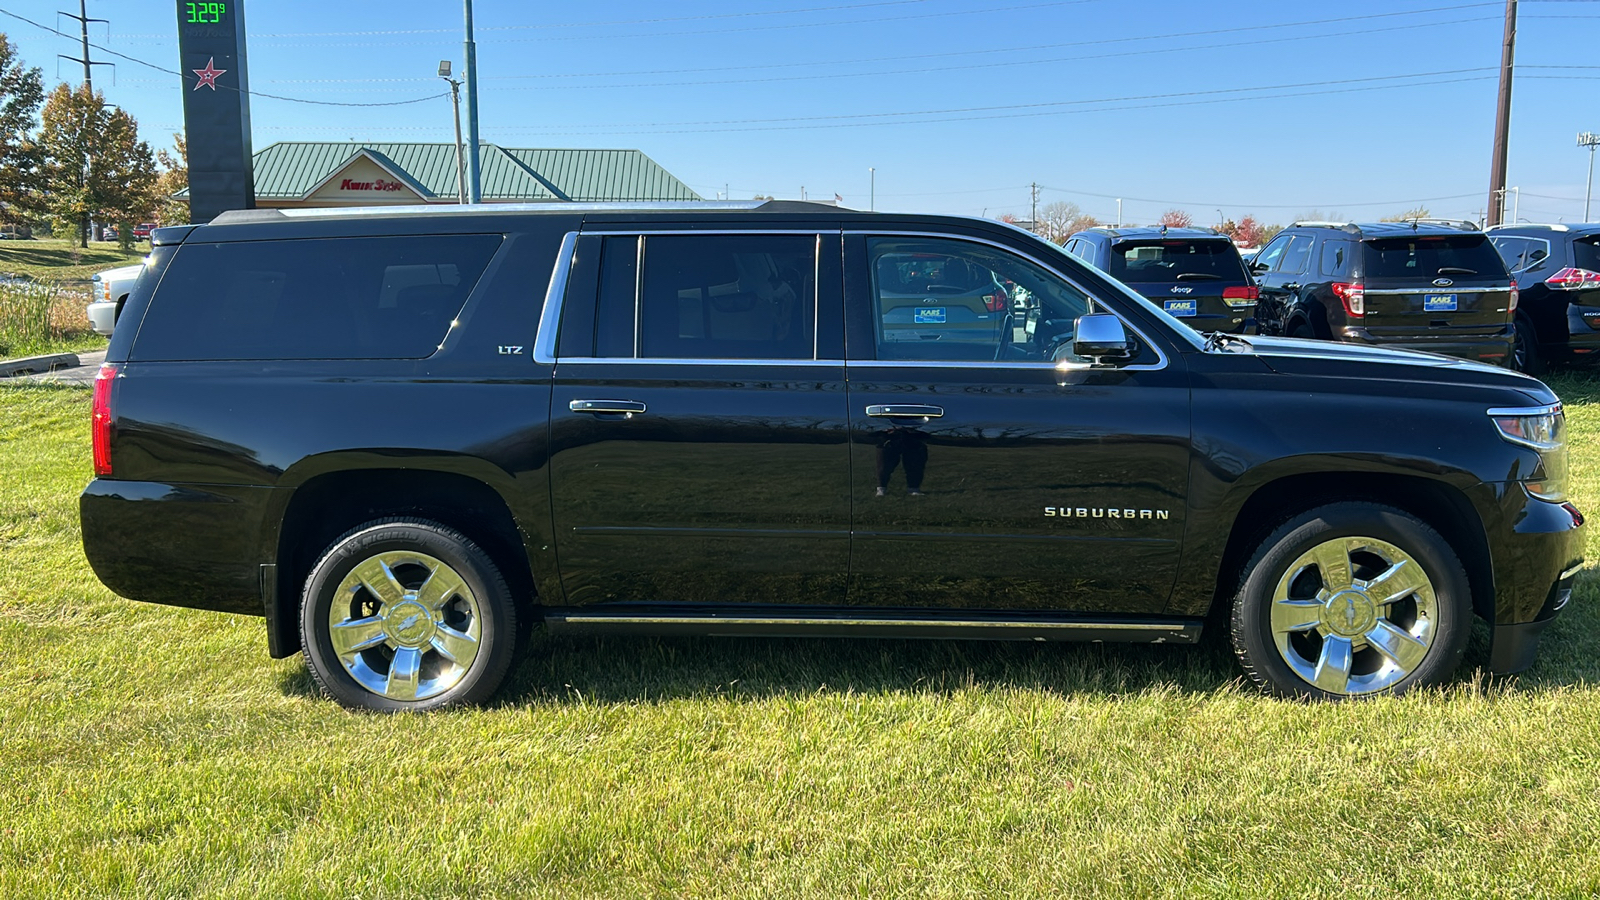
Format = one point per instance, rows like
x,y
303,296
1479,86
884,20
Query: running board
x,y
888,623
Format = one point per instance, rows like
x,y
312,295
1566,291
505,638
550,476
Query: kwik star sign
x,y
211,47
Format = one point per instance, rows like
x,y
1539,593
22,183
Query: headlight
x,y
1542,428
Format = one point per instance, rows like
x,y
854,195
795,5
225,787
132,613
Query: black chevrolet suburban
x,y
405,436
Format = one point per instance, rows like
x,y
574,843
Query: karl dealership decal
x,y
1081,512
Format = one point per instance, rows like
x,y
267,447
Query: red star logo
x,y
208,75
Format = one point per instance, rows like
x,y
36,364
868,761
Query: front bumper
x,y
1494,349
1543,552
102,317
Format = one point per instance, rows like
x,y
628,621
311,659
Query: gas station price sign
x,y
207,13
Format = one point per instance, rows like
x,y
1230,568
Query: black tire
x,y
1525,356
1445,620
478,614
1300,328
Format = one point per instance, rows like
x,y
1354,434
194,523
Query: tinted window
x,y
1336,258
1586,253
615,315
1295,258
332,298
1162,262
1513,250
1432,256
728,297
939,299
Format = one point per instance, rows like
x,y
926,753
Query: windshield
x,y
1430,256
1163,262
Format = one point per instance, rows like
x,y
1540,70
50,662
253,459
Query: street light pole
x,y
1588,139
461,156
872,202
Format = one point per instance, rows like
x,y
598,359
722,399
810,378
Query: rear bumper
x,y
1494,349
181,545
1583,336
102,317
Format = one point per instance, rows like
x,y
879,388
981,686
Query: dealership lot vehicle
x,y
1557,268
1195,274
108,292
1420,285
141,231
402,435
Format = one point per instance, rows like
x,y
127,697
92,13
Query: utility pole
x,y
1588,139
1033,221
83,22
872,190
1119,212
1502,119
474,183
455,105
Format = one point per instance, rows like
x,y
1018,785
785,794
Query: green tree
x,y
21,93
95,164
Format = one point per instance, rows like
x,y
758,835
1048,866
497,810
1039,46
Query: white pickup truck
x,y
109,289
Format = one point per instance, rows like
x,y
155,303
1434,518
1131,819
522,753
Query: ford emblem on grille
x,y
1442,282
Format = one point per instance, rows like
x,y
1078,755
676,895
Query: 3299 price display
x,y
205,13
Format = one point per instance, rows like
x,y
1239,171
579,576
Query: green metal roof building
x,y
292,174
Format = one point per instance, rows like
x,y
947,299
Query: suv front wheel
x,y
1349,600
407,615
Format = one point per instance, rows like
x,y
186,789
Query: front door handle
x,y
905,411
1292,286
629,408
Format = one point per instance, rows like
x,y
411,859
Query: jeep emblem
x,y
1180,289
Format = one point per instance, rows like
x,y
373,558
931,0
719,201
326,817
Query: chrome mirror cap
x,y
1101,337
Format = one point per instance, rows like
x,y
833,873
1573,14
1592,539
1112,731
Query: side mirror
x,y
1101,337
1257,268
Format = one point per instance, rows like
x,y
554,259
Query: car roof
x,y
1533,228
1375,230
1155,232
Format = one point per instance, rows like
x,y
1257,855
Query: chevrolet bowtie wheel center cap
x,y
408,624
1349,613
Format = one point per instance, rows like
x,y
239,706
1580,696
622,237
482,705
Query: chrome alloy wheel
x,y
405,625
1354,615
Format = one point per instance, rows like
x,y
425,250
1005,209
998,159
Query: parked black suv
x,y
404,434
1557,269
1195,274
1421,285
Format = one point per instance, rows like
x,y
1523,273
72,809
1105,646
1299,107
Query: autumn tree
x,y
1247,231
95,165
174,177
1176,218
1268,232
1419,212
1061,220
21,93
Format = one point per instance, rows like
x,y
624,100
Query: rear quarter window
x,y
324,298
1586,252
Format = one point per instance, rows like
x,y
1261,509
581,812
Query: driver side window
x,y
940,299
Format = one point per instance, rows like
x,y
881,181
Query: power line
x,y
151,65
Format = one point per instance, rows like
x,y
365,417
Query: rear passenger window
x,y
330,298
709,297
1336,258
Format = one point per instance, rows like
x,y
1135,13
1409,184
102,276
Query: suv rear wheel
x,y
1351,599
406,614
1525,356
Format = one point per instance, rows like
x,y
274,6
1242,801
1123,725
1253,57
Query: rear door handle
x,y
905,411
628,408
1292,286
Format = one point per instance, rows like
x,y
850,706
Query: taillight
x,y
101,418
997,301
1515,293
1241,296
1572,279
1352,296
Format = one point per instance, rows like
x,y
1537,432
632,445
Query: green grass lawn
x,y
156,752
51,259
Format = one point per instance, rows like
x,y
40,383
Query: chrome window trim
x,y
638,292
549,206
587,619
646,232
544,340
1161,356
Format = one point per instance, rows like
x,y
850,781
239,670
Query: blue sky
x,y
1370,105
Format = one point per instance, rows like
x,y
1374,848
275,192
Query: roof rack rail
x,y
1428,220
1557,226
1348,226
